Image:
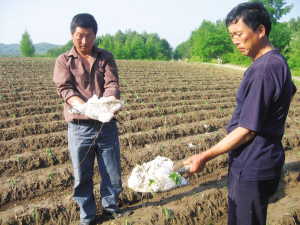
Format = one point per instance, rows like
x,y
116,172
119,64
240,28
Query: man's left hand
x,y
114,98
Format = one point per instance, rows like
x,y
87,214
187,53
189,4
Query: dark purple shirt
x,y
262,105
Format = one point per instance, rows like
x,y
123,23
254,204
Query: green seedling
x,y
150,183
138,166
51,177
33,213
180,114
11,183
167,213
221,109
49,153
183,103
175,177
19,160
291,209
143,103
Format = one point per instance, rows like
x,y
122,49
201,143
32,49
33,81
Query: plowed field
x,y
172,110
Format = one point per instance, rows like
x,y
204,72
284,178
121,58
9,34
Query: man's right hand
x,y
73,99
197,163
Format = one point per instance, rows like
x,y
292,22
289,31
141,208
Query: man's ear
x,y
261,30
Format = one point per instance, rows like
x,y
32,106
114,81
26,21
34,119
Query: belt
x,y
90,121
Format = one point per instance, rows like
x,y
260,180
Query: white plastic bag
x,y
154,176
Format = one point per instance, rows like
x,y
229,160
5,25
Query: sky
x,y
49,20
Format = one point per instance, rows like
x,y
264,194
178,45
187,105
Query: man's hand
x,y
197,163
73,99
114,98
233,140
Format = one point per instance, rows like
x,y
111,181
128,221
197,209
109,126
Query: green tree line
x,y
128,45
211,40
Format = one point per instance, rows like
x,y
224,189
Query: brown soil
x,y
172,109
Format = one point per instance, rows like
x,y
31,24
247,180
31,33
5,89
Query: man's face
x,y
83,39
246,40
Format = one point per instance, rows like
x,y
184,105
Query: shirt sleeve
x,y
111,77
258,95
63,78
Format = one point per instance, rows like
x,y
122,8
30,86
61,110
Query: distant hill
x,y
14,49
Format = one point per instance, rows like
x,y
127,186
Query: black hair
x,y
253,15
84,20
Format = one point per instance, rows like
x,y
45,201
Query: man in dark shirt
x,y
79,74
255,131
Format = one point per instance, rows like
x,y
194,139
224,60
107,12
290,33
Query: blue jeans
x,y
107,150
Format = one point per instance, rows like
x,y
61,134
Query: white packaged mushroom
x,y
155,176
101,109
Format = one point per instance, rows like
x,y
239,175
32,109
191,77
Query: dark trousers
x,y
248,200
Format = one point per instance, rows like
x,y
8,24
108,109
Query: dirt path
x,y
242,68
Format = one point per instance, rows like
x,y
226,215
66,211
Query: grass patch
x,y
295,73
